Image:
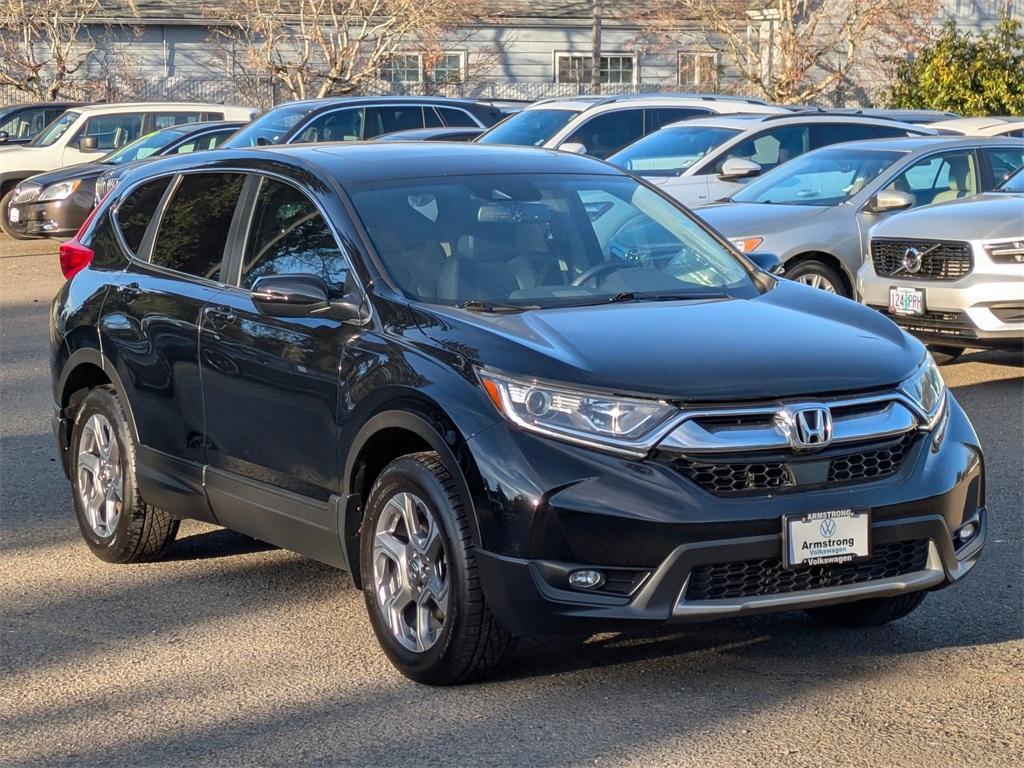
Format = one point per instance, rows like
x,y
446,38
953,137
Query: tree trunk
x,y
595,49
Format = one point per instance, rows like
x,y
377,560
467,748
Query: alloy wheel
x,y
410,572
815,280
100,475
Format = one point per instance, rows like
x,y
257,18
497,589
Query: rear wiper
x,y
475,305
627,296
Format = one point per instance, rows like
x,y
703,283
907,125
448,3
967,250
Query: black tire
x,y
868,613
142,532
809,269
5,225
945,355
470,645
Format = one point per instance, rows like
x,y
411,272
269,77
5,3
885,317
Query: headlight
x,y
747,244
927,390
59,191
1010,252
26,192
626,424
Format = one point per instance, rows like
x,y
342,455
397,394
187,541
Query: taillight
x,y
74,257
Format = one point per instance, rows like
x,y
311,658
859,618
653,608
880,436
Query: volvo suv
x,y
509,390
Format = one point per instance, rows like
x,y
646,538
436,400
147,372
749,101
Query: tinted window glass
x,y
200,143
610,132
136,210
672,150
56,129
770,148
194,227
529,128
1004,162
271,127
168,119
837,133
431,118
936,179
113,131
343,125
402,117
456,118
289,237
659,118
25,125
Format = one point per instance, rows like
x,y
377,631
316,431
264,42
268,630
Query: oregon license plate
x,y
906,301
13,214
823,538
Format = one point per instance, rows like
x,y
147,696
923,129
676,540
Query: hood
x,y
792,341
990,216
745,219
80,171
16,159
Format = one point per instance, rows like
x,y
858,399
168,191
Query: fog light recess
x,y
966,533
586,579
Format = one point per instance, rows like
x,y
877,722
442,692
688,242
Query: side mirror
x,y
738,168
769,262
574,147
4,136
88,144
889,200
303,296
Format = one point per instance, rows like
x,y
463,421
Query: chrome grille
x,y
941,260
750,578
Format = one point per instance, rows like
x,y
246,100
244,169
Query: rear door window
x,y
610,132
137,210
457,118
194,228
1003,162
400,117
340,125
170,119
113,131
770,148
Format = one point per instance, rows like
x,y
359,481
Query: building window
x,y
403,68
615,69
698,70
449,68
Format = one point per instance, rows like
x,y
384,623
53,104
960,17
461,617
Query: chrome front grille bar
x,y
724,430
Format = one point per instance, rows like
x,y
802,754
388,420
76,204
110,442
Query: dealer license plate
x,y
906,301
824,538
14,215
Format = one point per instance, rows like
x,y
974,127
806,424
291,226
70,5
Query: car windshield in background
x,y
517,242
271,128
1013,184
529,128
55,130
142,147
823,178
671,151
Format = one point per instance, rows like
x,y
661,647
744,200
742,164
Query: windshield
x,y
271,128
529,128
824,178
55,130
142,147
671,151
529,241
1013,184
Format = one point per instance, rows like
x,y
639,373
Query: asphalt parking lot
x,y
231,653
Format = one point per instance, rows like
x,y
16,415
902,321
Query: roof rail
x,y
597,100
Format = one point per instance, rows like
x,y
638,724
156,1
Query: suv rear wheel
x,y
869,613
420,578
818,275
118,526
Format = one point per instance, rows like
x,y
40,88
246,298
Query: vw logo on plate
x,y
828,528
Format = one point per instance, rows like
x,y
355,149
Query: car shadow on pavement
x,y
217,543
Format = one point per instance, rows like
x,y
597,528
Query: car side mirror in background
x,y
769,262
574,147
738,168
4,136
88,144
303,296
889,200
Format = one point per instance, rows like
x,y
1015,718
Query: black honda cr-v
x,y
509,390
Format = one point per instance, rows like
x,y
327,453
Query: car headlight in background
x,y
26,192
1011,252
927,390
747,244
59,191
622,423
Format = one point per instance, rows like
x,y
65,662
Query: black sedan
x,y
56,203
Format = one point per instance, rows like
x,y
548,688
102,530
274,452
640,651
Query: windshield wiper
x,y
627,296
475,305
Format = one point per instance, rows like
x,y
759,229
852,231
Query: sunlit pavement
x,y
231,653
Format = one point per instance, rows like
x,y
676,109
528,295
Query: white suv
x,y
85,133
705,160
600,126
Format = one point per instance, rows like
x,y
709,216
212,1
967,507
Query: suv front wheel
x,y
420,578
818,275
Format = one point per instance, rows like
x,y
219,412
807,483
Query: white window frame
x,y
697,56
397,54
462,67
558,55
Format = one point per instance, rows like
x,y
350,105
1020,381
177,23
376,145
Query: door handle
x,y
218,317
129,292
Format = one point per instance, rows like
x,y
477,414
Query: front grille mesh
x,y
948,261
750,578
734,478
870,464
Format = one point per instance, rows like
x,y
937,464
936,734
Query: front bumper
x,y
983,309
57,218
655,534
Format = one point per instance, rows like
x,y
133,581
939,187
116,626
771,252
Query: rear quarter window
x,y
137,210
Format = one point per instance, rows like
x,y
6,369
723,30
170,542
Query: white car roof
x,y
747,122
153,106
978,126
600,104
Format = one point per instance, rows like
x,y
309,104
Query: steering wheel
x,y
599,270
